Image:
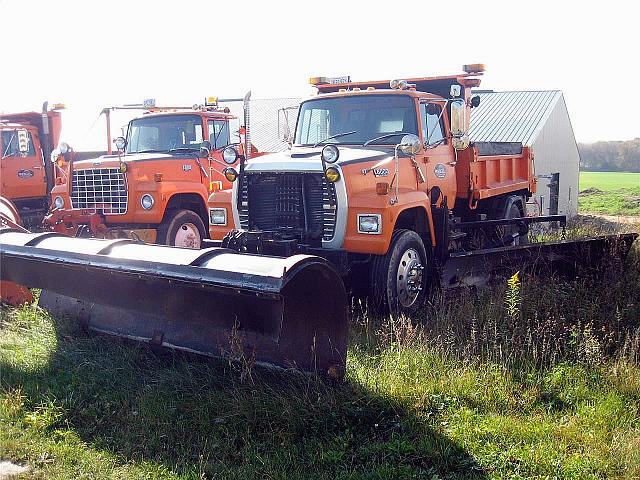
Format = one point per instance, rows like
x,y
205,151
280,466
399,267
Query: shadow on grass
x,y
196,417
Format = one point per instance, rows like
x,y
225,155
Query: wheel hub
x,y
409,277
188,236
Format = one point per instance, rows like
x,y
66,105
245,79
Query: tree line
x,y
621,156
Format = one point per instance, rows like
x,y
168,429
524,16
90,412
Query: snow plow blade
x,y
285,312
567,258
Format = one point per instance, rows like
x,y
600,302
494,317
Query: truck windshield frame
x,y
370,116
164,133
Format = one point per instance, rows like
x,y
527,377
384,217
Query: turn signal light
x,y
382,188
332,174
230,174
123,167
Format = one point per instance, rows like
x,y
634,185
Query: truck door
x,y
438,161
21,166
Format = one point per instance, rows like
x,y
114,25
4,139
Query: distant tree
x,y
610,156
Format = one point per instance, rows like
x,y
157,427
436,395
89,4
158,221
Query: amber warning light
x,y
329,80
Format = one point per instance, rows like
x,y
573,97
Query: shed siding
x,y
555,150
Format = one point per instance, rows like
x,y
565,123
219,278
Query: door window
x,y
432,126
9,145
219,133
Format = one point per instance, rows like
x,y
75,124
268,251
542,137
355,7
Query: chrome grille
x,y
101,189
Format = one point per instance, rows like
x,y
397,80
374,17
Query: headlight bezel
x,y
370,216
229,153
142,201
218,210
330,154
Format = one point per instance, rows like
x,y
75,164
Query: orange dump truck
x,y
156,187
26,175
382,180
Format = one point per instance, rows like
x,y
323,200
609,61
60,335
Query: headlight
x,y
218,216
230,174
58,202
332,174
147,201
121,143
330,154
370,223
229,155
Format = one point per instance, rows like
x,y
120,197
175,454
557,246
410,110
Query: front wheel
x,y
399,278
183,228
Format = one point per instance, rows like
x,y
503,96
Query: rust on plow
x,y
287,312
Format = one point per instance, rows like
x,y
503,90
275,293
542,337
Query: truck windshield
x,y
368,116
164,133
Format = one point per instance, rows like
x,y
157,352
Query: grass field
x,y
612,193
537,380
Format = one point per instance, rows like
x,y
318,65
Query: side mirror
x,y
284,130
23,141
121,143
459,124
475,101
205,148
410,144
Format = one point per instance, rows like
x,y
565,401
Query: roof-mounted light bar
x,y
473,68
330,80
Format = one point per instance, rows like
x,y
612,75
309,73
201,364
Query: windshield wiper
x,y
150,151
386,135
337,135
183,149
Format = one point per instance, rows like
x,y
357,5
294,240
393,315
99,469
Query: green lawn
x,y
613,193
540,380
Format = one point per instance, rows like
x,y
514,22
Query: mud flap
x,y
287,312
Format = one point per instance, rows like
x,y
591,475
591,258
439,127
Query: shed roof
x,y
511,116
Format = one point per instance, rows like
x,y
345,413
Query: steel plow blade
x,y
286,312
566,257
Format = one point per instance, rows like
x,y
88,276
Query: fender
x,y
378,244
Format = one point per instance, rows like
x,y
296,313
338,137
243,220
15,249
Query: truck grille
x,y
99,189
301,205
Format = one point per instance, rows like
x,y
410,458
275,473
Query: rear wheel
x,y
182,228
399,278
514,212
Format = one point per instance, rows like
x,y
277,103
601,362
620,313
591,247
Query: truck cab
x,y
157,185
26,177
378,176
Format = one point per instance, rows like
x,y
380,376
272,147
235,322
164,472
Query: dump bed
x,y
489,169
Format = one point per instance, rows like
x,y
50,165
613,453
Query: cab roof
x,y
439,86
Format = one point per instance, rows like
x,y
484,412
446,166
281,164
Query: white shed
x,y
537,119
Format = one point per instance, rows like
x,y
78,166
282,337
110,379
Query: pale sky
x,y
90,54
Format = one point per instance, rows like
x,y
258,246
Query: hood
x,y
305,159
106,161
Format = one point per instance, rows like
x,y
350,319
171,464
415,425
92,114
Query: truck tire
x,y
514,212
399,278
182,228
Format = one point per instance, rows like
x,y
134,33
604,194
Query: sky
x,y
89,54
